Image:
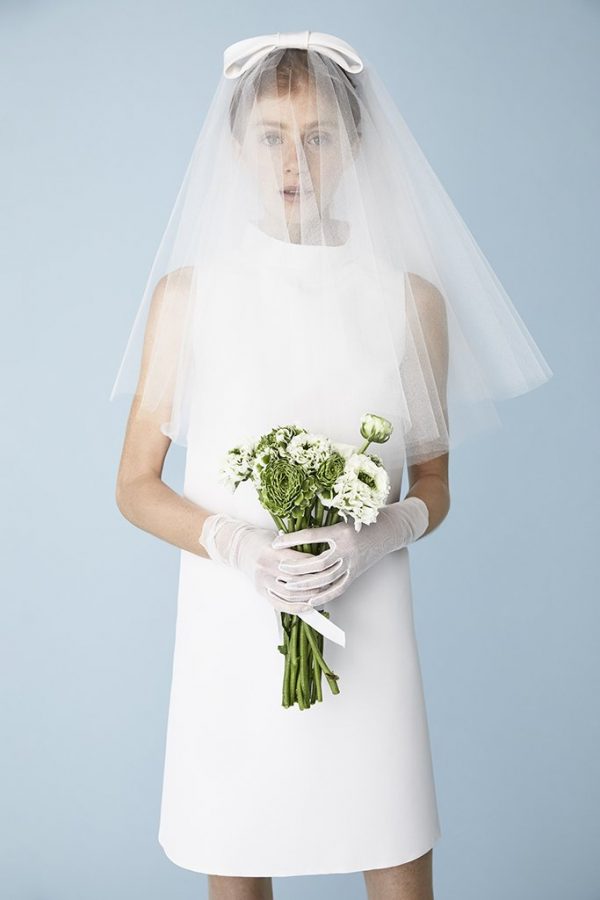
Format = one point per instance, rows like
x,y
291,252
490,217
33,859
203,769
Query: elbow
x,y
447,510
131,495
123,499
120,499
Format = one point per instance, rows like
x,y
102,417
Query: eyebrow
x,y
280,125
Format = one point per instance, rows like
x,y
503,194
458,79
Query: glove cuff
x,y
410,518
226,552
417,516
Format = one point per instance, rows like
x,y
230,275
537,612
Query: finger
x,y
304,536
280,584
337,588
308,563
282,590
292,606
317,579
305,562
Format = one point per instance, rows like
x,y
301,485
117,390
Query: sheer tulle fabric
x,y
312,155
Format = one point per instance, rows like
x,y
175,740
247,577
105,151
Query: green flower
x,y
286,489
375,429
330,470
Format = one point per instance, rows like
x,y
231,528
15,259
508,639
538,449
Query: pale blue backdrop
x,y
101,105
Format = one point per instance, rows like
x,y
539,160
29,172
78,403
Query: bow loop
x,y
239,57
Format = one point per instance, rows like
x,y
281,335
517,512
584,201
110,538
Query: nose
x,y
290,160
290,156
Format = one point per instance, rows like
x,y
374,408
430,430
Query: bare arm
x,y
141,494
429,480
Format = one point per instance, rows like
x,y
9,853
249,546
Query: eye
x,y
267,139
319,139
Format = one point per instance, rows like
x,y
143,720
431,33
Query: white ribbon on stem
x,y
320,623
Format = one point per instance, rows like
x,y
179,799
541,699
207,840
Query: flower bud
x,y
375,429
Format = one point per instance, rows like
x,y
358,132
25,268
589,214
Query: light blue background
x,y
101,105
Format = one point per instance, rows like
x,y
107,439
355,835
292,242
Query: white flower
x,y
238,465
345,450
309,450
361,489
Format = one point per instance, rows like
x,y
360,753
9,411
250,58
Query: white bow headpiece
x,y
239,57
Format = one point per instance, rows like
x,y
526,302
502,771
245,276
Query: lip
x,y
293,191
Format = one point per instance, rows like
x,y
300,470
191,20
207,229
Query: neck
x,y
323,230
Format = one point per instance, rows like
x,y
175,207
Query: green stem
x,y
294,657
329,674
333,685
312,675
306,548
304,660
286,671
318,672
321,642
300,694
279,522
323,514
319,512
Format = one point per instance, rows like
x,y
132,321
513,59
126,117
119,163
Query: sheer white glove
x,y
239,544
351,552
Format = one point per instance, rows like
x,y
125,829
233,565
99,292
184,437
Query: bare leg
x,y
409,881
228,887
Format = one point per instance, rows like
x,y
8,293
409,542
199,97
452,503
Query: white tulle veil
x,y
303,141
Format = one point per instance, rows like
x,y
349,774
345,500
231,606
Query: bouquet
x,y
305,480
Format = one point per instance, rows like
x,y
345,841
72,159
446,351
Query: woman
x,y
313,271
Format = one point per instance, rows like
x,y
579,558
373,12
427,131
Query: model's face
x,y
294,149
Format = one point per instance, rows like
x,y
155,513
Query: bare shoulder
x,y
426,314
169,299
176,280
426,295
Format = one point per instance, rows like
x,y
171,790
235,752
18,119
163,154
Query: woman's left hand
x,y
351,552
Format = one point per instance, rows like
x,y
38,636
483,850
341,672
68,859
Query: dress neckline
x,y
279,252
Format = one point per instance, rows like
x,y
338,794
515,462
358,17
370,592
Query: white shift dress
x,y
252,788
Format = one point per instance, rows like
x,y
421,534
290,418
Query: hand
x,y
351,551
248,548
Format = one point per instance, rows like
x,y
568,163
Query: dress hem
x,y
343,870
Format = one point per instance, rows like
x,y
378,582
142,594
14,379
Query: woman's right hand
x,y
248,548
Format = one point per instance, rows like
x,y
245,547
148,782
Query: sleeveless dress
x,y
251,788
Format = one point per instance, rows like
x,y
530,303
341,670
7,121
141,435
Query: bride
x,y
313,271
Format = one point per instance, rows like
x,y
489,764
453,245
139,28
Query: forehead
x,y
298,108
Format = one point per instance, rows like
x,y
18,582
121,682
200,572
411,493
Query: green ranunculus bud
x,y
375,429
285,488
330,470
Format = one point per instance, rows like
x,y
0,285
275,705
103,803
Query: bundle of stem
x,y
304,663
302,645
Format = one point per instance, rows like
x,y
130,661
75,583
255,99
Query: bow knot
x,y
239,57
298,39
